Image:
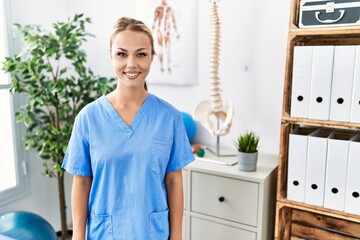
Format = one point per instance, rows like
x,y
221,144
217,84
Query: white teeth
x,y
132,74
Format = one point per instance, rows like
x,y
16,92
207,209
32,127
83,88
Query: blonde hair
x,y
126,23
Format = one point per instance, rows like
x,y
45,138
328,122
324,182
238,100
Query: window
x,y
12,165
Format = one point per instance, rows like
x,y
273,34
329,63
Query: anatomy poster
x,y
174,27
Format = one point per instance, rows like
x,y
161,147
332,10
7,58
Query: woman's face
x,y
131,57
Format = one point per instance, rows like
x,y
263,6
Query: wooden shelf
x,y
306,223
320,210
296,220
326,31
321,123
317,39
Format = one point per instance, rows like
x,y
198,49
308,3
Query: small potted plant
x,y
247,146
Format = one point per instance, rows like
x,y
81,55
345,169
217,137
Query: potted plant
x,y
247,146
52,73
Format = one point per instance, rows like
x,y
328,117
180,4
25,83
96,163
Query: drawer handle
x,y
221,199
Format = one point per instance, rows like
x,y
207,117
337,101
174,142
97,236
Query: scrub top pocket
x,y
160,149
100,227
159,225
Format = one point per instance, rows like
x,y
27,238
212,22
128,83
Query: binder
x,y
316,167
352,198
298,142
336,170
355,99
342,83
301,78
321,78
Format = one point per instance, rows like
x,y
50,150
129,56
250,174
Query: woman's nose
x,y
131,61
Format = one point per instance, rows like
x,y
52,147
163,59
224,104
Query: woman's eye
x,y
121,54
141,55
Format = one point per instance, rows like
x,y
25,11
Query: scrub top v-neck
x,y
128,129
128,163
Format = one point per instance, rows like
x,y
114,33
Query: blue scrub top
x,y
128,198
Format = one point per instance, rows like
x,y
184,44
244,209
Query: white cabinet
x,y
223,203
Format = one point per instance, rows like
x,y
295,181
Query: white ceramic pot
x,y
247,161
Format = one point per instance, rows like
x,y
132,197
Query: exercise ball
x,y
23,225
190,125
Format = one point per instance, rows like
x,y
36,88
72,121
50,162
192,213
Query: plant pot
x,y
247,161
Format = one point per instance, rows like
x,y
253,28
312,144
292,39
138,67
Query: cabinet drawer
x,y
226,198
203,229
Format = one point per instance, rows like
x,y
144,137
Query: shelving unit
x,y
296,220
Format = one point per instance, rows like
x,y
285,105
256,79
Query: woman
x,y
126,152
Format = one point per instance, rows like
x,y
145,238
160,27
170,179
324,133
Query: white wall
x,y
253,32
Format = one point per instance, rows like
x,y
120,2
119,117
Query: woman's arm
x,y
174,188
79,201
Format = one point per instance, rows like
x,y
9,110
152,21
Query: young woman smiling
x,y
127,150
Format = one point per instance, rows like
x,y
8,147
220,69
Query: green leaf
x,y
62,71
57,167
20,117
30,143
27,120
55,131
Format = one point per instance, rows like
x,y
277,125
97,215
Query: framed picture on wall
x,y
174,27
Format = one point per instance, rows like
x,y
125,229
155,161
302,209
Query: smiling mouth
x,y
132,75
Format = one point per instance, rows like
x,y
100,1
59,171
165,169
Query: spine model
x,y
215,108
215,90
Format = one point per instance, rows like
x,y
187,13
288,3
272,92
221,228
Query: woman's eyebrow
x,y
141,49
122,49
137,50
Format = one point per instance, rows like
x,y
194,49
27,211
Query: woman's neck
x,y
132,96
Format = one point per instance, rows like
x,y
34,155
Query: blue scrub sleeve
x,y
77,156
181,152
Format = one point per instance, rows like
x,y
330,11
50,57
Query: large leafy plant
x,y
52,73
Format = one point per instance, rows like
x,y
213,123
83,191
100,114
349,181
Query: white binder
x,y
342,83
336,170
316,167
301,78
321,78
355,100
352,198
298,142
